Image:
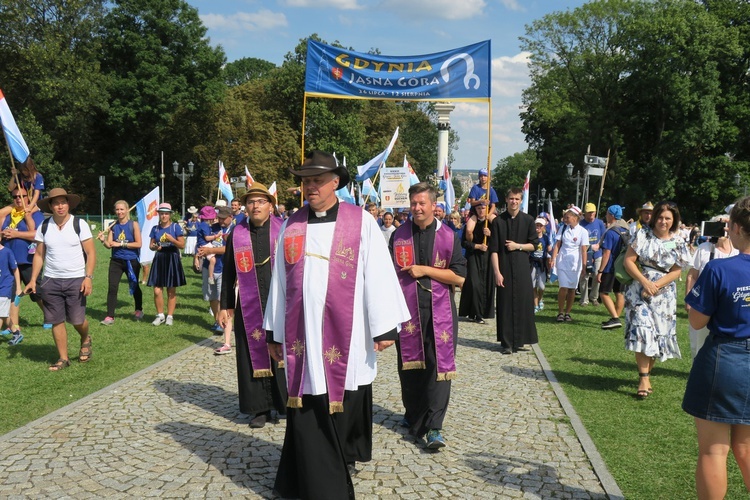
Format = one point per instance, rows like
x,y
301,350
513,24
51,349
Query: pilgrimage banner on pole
x,y
461,74
394,187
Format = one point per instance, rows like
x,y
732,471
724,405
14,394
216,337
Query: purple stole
x,y
249,294
338,315
410,335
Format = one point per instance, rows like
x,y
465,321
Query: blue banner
x,y
461,74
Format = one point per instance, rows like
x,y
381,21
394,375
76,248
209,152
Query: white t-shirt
x,y
387,232
379,304
703,255
63,253
569,255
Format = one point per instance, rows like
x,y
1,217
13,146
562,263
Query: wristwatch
x,y
90,276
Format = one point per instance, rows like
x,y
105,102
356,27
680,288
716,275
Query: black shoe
x,y
259,421
611,323
521,349
506,350
352,466
404,423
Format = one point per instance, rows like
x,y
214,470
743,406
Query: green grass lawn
x,y
28,390
649,446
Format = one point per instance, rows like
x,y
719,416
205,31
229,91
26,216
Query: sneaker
x,y
17,338
211,281
217,329
6,333
158,321
536,309
594,302
541,305
47,326
584,304
109,320
169,321
138,315
435,440
225,349
611,323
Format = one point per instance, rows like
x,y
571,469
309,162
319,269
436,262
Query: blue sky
x,y
269,29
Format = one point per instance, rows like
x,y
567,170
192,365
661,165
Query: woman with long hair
x,y
124,239
30,179
655,260
718,387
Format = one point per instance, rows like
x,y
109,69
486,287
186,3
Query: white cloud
x,y
512,5
510,75
336,4
262,20
442,9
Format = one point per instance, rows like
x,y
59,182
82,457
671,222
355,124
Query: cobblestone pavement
x,y
174,430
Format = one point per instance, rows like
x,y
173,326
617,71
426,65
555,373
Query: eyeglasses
x,y
15,196
260,202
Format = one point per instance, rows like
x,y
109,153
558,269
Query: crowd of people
x,y
313,295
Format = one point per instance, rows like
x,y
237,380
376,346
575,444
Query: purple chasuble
x,y
410,335
249,293
338,315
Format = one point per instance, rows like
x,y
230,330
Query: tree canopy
x,y
662,86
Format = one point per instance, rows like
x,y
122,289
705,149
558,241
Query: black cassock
x,y
478,292
256,394
515,300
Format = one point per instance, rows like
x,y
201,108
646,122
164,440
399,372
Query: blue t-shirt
x,y
19,246
613,243
173,229
120,233
238,218
37,184
540,253
218,242
477,192
723,293
595,229
191,227
204,229
7,266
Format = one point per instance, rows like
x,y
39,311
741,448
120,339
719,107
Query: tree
x,y
511,171
246,69
159,66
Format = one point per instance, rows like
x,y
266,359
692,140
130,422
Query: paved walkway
x,y
174,431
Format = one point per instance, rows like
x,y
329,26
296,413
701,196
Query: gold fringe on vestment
x,y
413,365
281,364
262,373
335,407
442,377
294,402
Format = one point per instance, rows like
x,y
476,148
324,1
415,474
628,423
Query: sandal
x,y
84,355
642,394
568,319
650,390
560,318
60,364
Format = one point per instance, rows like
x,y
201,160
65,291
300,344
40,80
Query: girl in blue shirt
x,y
124,239
718,387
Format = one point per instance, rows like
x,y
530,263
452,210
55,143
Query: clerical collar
x,y
329,215
254,228
431,225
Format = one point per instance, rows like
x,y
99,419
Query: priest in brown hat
x,y
248,262
334,301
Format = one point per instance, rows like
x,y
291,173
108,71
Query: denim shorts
x,y
718,388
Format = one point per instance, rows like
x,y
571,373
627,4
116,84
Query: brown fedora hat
x,y
73,199
319,162
258,189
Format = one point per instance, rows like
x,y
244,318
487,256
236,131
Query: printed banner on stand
x,y
394,187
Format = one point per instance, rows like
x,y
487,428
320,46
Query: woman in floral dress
x,y
655,260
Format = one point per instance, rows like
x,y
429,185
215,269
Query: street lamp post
x,y
552,196
738,180
578,178
182,175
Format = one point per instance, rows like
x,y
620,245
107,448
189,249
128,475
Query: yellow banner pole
x,y
489,170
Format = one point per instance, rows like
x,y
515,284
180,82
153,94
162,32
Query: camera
x,y
712,231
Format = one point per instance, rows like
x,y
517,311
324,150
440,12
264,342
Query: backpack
x,y
619,266
76,228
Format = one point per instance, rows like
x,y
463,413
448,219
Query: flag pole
x,y
489,170
374,180
604,177
302,148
